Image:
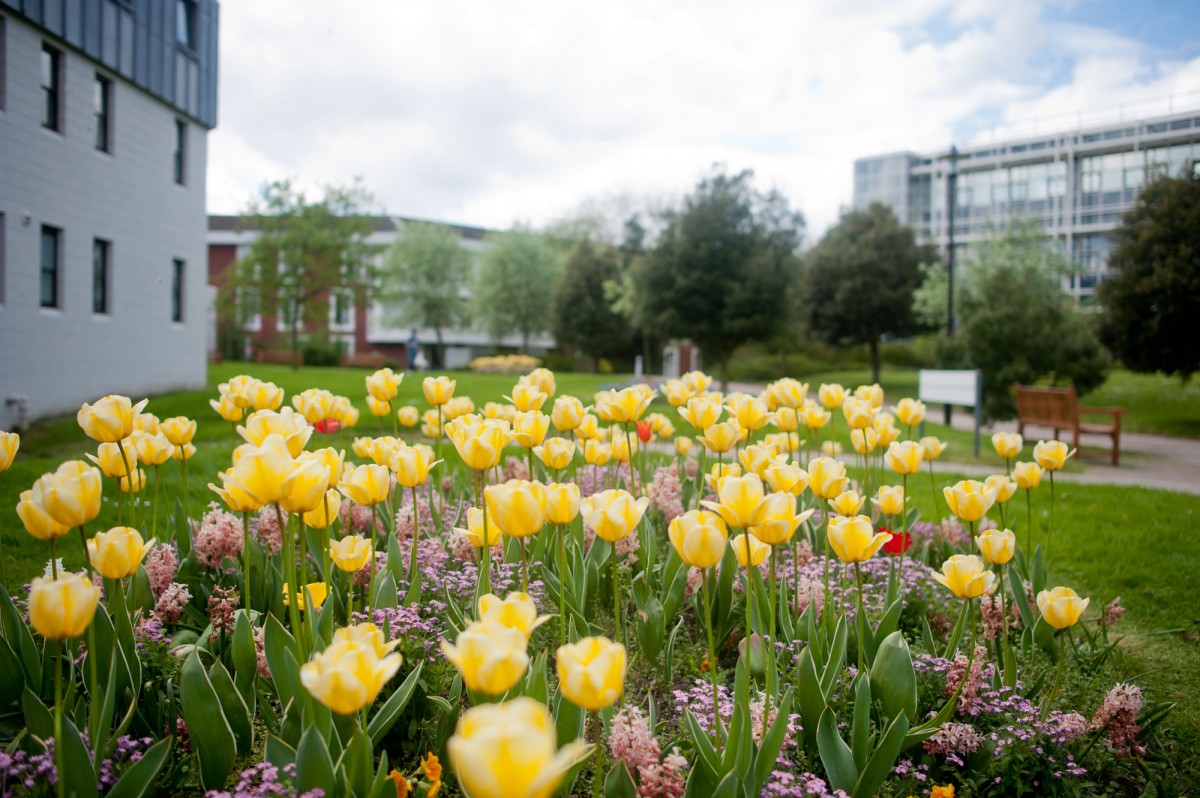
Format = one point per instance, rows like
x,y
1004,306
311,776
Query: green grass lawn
x,y
1157,404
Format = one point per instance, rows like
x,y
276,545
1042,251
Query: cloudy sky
x,y
492,112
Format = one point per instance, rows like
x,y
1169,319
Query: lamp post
x,y
951,212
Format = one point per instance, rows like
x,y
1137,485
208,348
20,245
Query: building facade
x,y
363,329
1075,184
105,107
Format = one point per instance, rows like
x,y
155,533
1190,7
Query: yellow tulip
x,y
152,450
847,503
623,406
33,515
317,519
864,441
383,385
381,450
518,506
438,390
315,404
178,430
698,537
1002,485
749,551
718,472
696,381
969,499
886,434
110,419
904,457
362,447
411,465
826,477
612,514
589,427
527,397
758,457
367,635
72,496
831,395
910,411
620,447
1051,455
997,545
348,675
316,592
235,496
1027,475
675,392
1008,444
813,416
62,608
260,473
516,611
720,438
185,452
562,502
787,478
475,531
542,379
508,751
854,539
932,447
701,412
555,453
966,576
288,424
139,482
1061,607
529,429
777,520
738,500
871,394
683,446
264,395
408,416
789,392
351,553
786,419
112,457
859,413
567,414
146,422
596,452
377,408
490,657
456,407
238,389
305,485
118,552
591,672
368,485
889,499
750,411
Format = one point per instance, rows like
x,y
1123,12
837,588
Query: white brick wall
x,y
59,358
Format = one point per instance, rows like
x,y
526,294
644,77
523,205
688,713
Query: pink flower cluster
x,y
515,468
171,603
631,741
267,533
222,606
219,538
954,741
1113,612
1117,718
969,696
666,493
161,564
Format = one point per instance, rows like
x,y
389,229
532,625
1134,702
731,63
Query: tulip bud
x,y
1008,444
749,551
612,514
889,499
351,553
966,577
62,608
854,539
591,672
118,552
698,537
9,443
438,390
1051,455
997,545
1061,607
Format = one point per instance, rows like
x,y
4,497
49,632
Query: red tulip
x,y
900,542
644,431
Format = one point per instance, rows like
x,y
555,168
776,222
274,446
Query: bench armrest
x,y
1108,411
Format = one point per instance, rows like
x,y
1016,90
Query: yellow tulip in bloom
x,y
305,485
889,499
72,495
966,576
377,408
516,611
911,412
542,379
904,457
185,452
831,395
567,414
997,545
848,502
145,422
508,751
969,499
612,514
118,552
316,517
787,478
491,657
1008,444
529,429
152,450
383,385
813,416
1051,455
789,392
562,502
777,520
826,477
701,412
438,390
235,496
408,416
110,419
758,457
596,452
555,453
260,472
362,447
675,392
178,430
720,438
591,672
589,427
62,608
1027,475
1061,607
621,447
238,389
932,447
1002,485
864,441
411,465
315,404
33,515
859,413
351,553
749,551
698,537
288,424
317,592
738,500
380,450
750,411
718,472
518,506
109,457
683,446
526,397
624,406
696,381
456,407
367,484
139,481
886,433
854,539
367,635
348,675
264,395
785,419
871,394
831,448
475,531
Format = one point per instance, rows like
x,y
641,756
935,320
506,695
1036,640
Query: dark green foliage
x,y
514,287
583,315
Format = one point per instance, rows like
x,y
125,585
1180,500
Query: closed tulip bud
x,y
72,497
701,412
326,512
9,443
1051,455
750,411
438,390
1002,486
408,416
612,514
675,392
112,458
146,422
477,533
348,676
854,538
698,537
720,438
567,414
969,499
238,389
738,500
378,408
110,419
457,407
178,430
786,419
911,412
889,499
589,427
118,552
526,397
864,441
904,457
33,515
683,446
185,452
776,519
516,611
831,395
596,453
304,485
529,429
847,502
313,593
152,450
139,482
518,506
787,478
859,413
62,608
1008,444
591,672
872,394
831,448
351,553
1027,475
368,485
826,477
997,545
383,385
490,657
507,750
411,465
287,424
749,551
264,395
932,447
562,502
1061,607
966,576
555,453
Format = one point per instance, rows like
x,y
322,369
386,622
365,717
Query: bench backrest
x,y
1046,406
948,387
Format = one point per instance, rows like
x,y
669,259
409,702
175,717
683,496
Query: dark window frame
x,y
178,289
50,271
180,162
186,23
102,102
101,277
52,88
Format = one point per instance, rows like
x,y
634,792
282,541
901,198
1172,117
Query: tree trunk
x,y
524,342
646,352
874,359
723,371
440,354
295,339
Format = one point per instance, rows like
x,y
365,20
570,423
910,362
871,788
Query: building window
x,y
185,23
178,269
51,251
101,275
180,151
51,87
342,308
102,104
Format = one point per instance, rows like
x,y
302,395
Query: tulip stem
x,y
616,580
59,748
154,528
863,624
1062,658
769,648
1003,624
412,567
562,587
326,565
288,563
3,568
524,568
826,607
1029,519
87,558
751,605
904,541
933,491
186,499
597,763
712,659
1050,524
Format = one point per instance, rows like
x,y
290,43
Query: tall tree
x,y
304,251
425,277
514,287
1150,299
719,272
583,315
860,279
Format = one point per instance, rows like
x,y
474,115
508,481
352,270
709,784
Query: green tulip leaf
x,y
80,777
386,715
314,767
860,729
141,775
618,783
835,754
882,760
237,714
38,719
278,752
772,742
212,738
893,679
12,675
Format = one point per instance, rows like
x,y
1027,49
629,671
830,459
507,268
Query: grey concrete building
x,y
105,107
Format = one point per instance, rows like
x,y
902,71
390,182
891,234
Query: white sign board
x,y
959,388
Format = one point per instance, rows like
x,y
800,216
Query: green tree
x,y
583,315
514,288
719,271
1150,299
304,253
860,278
425,275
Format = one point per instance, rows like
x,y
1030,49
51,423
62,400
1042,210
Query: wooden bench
x,y
1057,409
280,356
364,360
